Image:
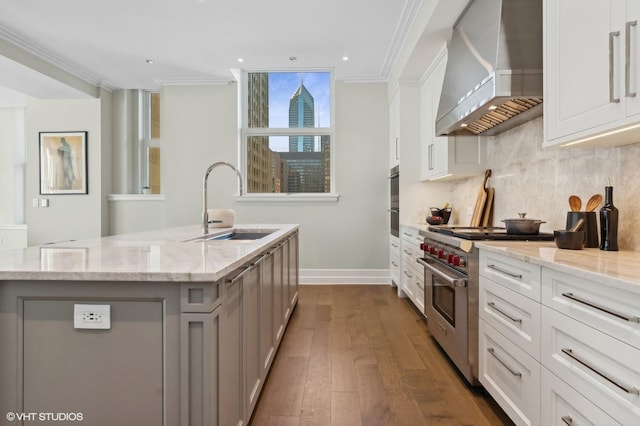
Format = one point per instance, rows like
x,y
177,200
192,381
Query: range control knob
x,y
424,247
456,261
441,254
450,258
432,250
463,262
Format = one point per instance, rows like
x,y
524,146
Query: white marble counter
x,y
620,269
160,255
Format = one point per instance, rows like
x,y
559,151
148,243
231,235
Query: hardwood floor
x,y
359,355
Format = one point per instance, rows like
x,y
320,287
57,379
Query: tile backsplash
x,y
538,181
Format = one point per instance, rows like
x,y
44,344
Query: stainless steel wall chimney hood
x,y
493,79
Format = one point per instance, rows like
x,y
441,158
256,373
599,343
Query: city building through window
x,y
287,132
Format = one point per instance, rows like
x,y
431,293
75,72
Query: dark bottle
x,y
608,222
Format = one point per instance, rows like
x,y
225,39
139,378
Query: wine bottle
x,y
608,222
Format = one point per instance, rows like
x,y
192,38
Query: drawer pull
x,y
409,252
504,364
627,389
493,305
408,274
394,264
511,274
601,308
567,420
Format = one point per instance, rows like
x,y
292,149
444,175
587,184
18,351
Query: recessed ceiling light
x,y
240,60
345,58
293,58
493,108
464,125
151,61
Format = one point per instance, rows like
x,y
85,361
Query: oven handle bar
x,y
451,281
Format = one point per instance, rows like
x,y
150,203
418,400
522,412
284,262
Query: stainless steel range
x,y
451,273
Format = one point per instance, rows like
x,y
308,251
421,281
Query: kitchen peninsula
x,y
151,328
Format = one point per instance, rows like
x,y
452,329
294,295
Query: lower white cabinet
x,y
557,348
510,375
394,260
412,274
603,369
562,405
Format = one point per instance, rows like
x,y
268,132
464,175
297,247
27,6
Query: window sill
x,y
288,198
135,197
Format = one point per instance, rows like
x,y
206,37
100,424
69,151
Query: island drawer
x,y
199,297
519,276
611,310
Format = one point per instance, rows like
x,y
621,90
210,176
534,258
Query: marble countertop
x,y
161,255
620,269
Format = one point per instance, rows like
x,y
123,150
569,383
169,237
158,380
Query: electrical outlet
x,y
44,202
35,203
92,316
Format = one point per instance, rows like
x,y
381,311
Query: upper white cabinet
x,y
394,130
592,72
444,157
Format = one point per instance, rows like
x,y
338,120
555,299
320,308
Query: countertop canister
x,y
608,222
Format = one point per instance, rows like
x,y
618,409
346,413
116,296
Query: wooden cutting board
x,y
488,208
478,210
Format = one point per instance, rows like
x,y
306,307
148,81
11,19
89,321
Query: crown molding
x,y
407,19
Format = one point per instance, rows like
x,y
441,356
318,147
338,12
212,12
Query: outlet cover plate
x,y
92,316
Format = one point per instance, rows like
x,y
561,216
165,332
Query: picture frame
x,y
63,163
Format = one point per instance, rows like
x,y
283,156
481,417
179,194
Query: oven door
x,y
394,220
445,294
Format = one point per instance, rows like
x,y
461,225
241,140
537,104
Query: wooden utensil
x,y
480,201
594,202
488,207
575,203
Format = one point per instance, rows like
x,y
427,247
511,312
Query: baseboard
x,y
345,276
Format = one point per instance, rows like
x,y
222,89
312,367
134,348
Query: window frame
x,y
145,140
247,132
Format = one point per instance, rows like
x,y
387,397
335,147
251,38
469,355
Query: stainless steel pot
x,y
523,226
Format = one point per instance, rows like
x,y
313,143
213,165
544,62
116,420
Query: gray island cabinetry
x,y
144,329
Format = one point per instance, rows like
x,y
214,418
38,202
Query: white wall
x,y
69,216
11,139
199,127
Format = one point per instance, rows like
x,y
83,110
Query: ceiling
x,y
108,43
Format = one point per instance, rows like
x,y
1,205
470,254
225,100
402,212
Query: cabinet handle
x,y
410,253
239,275
408,274
612,35
493,305
430,156
504,364
627,389
394,245
397,156
511,274
601,308
394,264
627,60
567,420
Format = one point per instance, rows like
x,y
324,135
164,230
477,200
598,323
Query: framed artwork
x,y
63,163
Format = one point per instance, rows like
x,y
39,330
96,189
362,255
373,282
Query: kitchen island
x,y
150,328
559,333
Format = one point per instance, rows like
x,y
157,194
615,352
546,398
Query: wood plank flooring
x,y
359,355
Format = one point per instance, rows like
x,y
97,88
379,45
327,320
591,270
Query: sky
x,y
282,86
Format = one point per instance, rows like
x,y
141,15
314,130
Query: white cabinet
x,y
603,369
562,405
509,333
441,156
412,274
394,260
589,88
394,130
510,375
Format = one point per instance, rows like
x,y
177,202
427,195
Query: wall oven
x,y
451,278
394,201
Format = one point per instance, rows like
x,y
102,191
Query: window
x,y
287,133
150,147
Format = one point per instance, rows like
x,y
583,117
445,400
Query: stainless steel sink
x,y
235,235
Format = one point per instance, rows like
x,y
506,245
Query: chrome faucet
x,y
205,214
